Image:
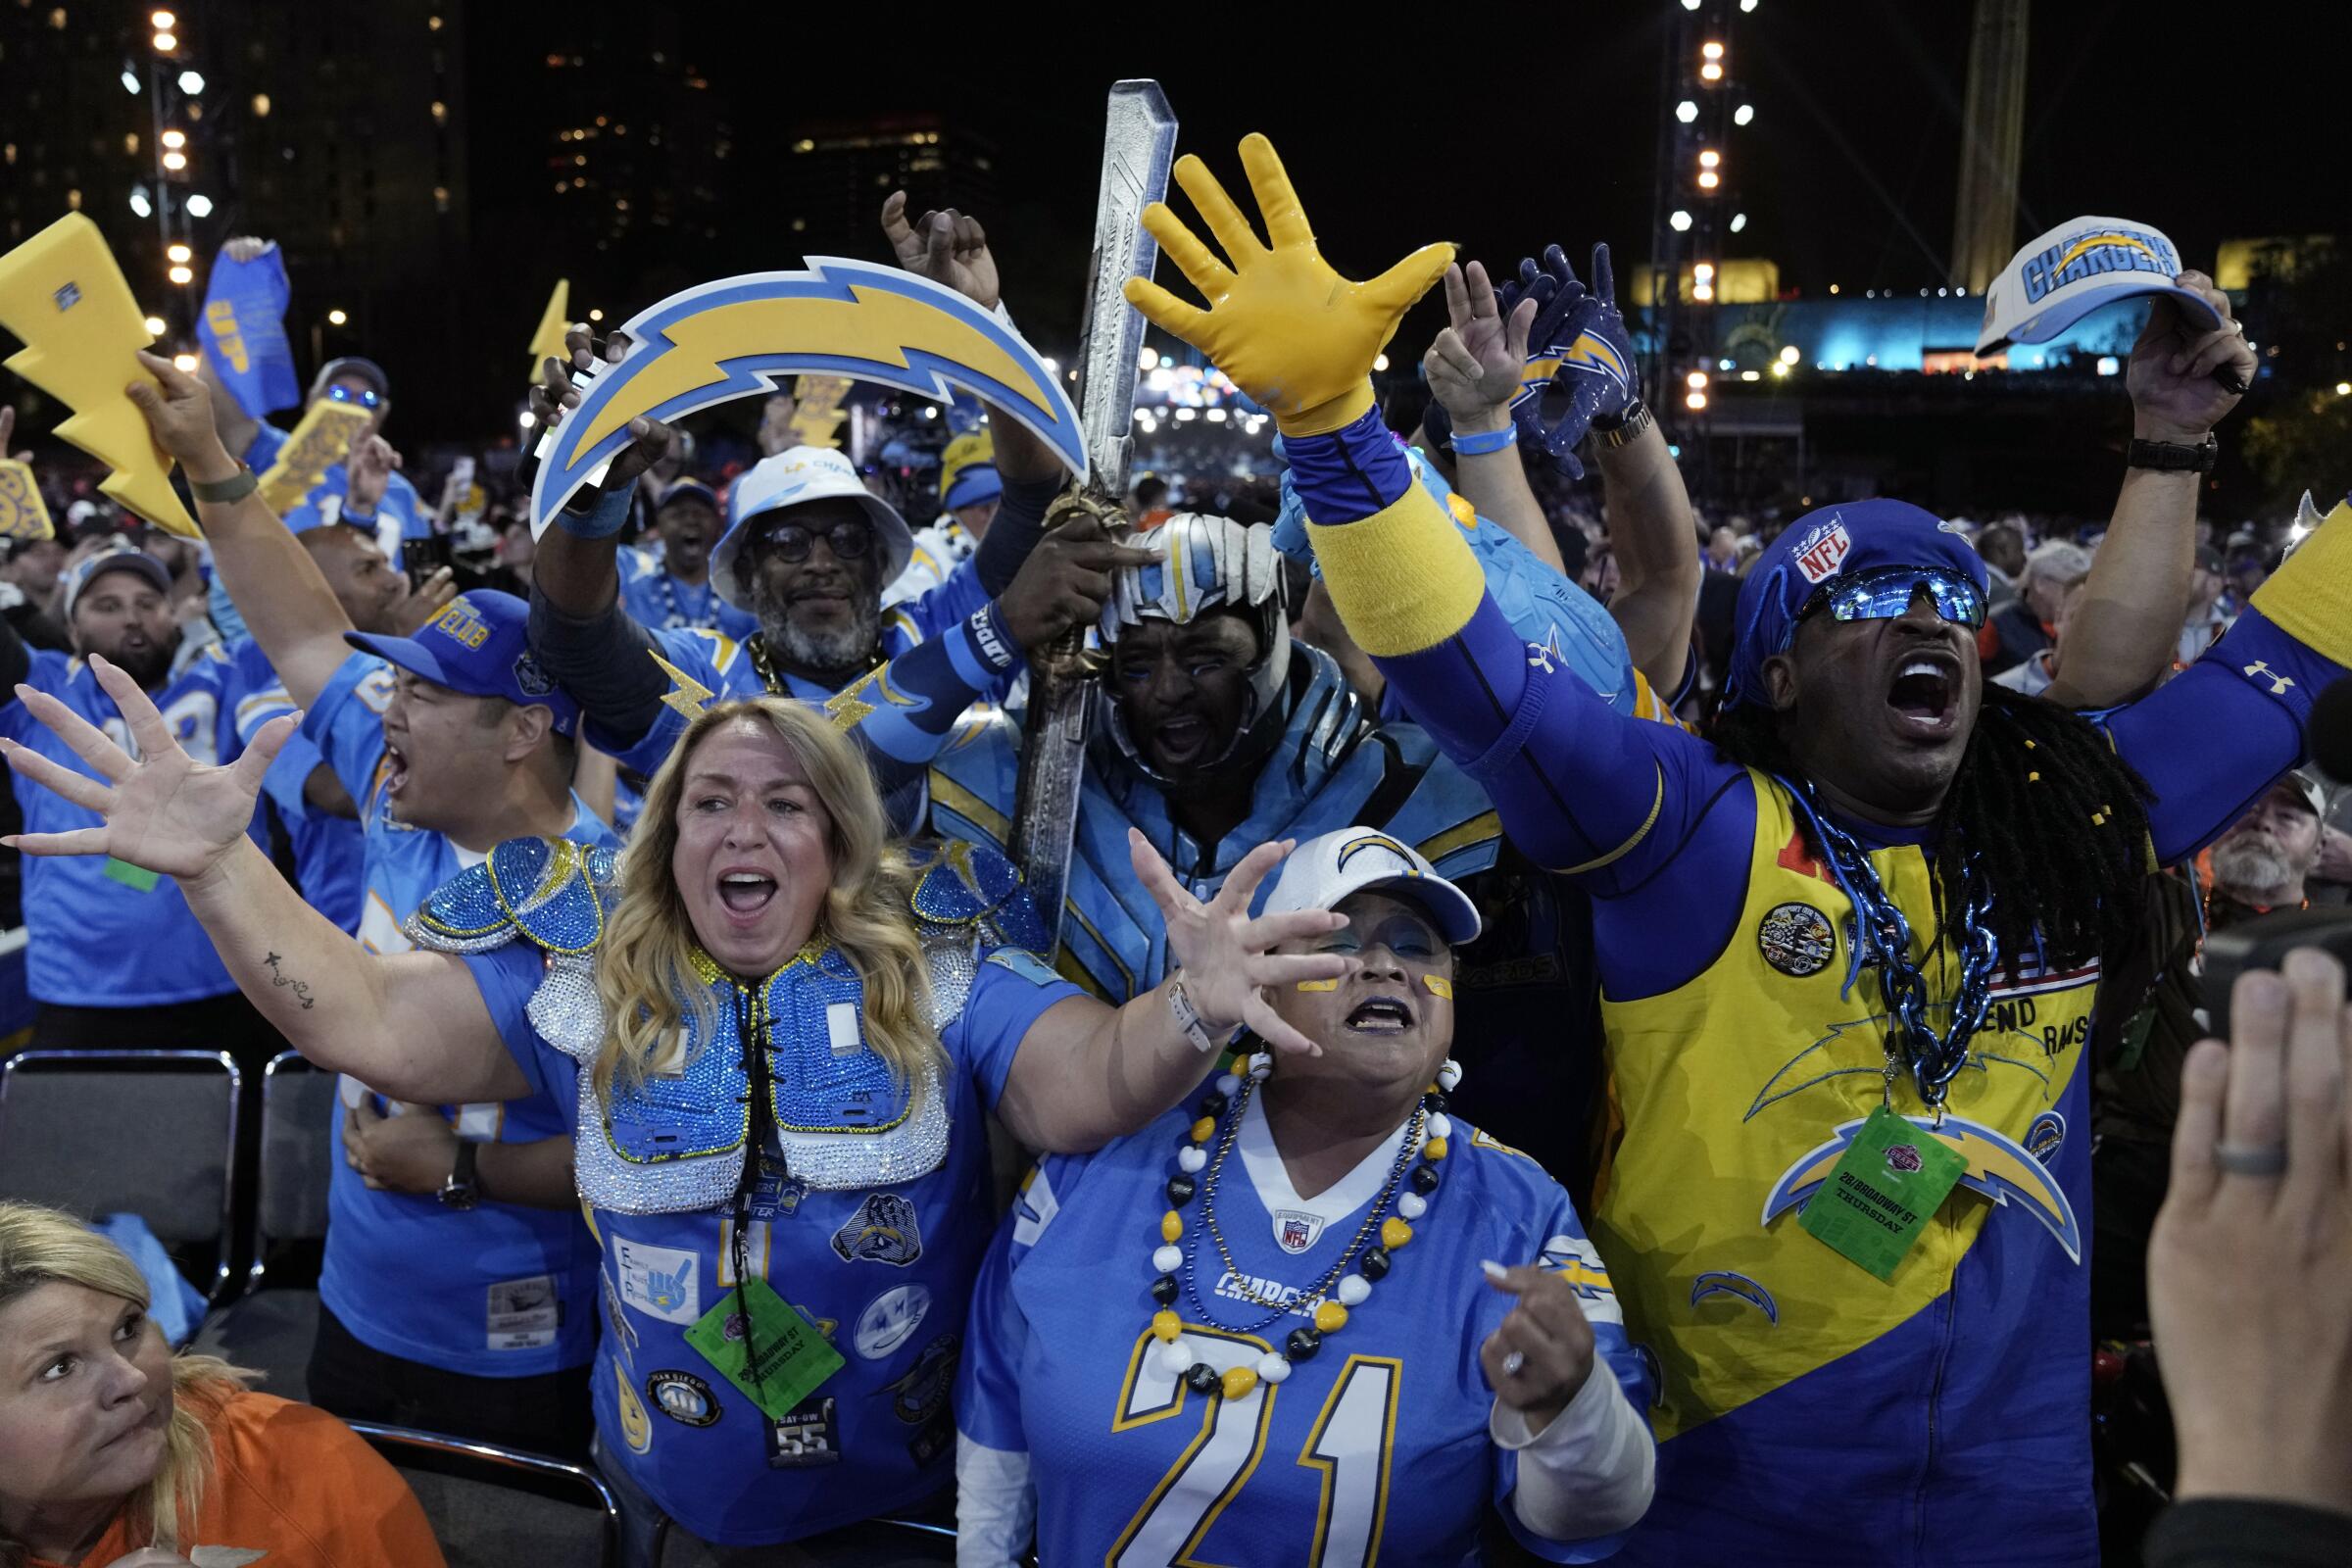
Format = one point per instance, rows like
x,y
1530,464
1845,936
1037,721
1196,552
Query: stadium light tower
x,y
1695,200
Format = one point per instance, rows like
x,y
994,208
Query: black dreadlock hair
x,y
2060,822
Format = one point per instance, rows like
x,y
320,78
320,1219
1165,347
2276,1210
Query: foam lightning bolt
x,y
63,294
736,336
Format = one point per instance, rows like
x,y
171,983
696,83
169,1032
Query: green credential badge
x,y
793,1356
1882,1191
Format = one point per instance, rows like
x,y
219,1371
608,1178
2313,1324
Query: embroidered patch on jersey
x,y
890,1319
884,1230
1028,965
1738,1286
808,1435
636,1426
923,1392
1578,1261
1796,939
1296,1230
2045,1135
624,1332
683,1397
658,1281
522,1314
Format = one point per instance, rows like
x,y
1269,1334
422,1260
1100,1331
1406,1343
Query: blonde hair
x,y
45,1247
647,962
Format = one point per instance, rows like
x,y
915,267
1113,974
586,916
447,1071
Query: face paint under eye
x,y
1318,985
1438,986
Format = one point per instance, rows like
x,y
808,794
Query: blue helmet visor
x,y
1888,592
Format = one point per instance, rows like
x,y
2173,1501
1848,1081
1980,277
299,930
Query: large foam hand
x,y
1293,333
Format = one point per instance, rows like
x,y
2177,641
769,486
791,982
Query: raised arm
x,y
2125,630
271,577
413,1026
1656,542
1086,1073
1474,370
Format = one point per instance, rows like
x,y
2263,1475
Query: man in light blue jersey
x,y
677,593
116,961
457,1291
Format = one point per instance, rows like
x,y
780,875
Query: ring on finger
x,y
1513,1363
2250,1159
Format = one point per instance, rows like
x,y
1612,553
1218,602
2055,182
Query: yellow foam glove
x,y
1290,333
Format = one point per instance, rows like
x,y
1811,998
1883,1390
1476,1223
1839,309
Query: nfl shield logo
x,y
1820,555
1295,1231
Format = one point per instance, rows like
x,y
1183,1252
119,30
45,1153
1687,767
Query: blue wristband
x,y
1484,442
606,517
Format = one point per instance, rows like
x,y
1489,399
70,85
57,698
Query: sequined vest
x,y
674,1142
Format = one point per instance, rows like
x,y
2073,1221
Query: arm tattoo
x,y
302,991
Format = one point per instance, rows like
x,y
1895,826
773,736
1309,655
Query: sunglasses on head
x,y
792,542
365,396
1888,592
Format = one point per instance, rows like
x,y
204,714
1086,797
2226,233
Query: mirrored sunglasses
x,y
791,542
365,396
1886,593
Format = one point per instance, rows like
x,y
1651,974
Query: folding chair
x,y
151,1133
270,1326
494,1507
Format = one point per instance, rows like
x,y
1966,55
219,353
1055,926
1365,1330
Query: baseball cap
x,y
478,643
2073,270
2306,785
122,556
364,368
685,489
791,478
1322,872
1829,543
967,471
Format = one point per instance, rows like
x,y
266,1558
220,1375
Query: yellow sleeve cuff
x,y
2310,596
1403,579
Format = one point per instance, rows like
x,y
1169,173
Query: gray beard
x,y
853,645
2249,864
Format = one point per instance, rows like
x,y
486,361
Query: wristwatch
x,y
1187,1017
2172,456
463,1189
1626,427
236,487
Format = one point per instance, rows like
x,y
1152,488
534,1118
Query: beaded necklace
x,y
1339,1290
706,617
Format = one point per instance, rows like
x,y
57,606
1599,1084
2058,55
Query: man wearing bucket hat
x,y
1848,953
458,1288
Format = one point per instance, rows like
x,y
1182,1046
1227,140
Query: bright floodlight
x,y
200,205
1680,222
1739,222
191,83
139,203
1744,114
1685,111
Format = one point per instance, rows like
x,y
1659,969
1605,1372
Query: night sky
x,y
1546,129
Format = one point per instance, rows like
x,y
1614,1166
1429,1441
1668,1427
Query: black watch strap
x,y
2173,456
463,1189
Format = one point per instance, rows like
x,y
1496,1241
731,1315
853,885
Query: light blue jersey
x,y
105,934
496,1290
1375,1448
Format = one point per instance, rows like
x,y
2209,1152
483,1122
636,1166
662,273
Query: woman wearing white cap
x,y
1306,1318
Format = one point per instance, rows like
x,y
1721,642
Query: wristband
x,y
606,517
1480,444
2173,456
234,488
988,636
1187,1017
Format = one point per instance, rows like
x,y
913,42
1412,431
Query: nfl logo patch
x,y
1820,555
1296,1231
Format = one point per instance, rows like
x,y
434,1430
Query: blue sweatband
x,y
606,517
1484,441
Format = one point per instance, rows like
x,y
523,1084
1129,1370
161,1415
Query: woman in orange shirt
x,y
115,1453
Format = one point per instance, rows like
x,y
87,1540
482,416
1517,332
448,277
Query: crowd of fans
x,y
1488,895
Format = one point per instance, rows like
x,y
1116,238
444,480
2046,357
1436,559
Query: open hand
x,y
1228,958
1552,1338
2249,1273
1289,329
947,248
2175,395
555,395
1066,580
371,465
164,811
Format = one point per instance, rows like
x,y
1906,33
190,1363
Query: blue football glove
x,y
1578,344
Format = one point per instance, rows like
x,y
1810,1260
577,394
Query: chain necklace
x,y
706,617
1882,937
1338,1290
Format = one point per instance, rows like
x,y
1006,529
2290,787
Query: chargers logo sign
x,y
1589,355
2108,249
736,337
1997,1167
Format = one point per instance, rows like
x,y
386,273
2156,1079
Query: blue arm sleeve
x,y
1008,995
948,603
347,721
2252,693
506,977
903,714
1020,522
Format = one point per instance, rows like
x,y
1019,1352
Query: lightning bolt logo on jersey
x,y
1375,1450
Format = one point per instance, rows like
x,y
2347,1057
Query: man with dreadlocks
x,y
1847,960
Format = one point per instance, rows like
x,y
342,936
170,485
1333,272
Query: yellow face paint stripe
x,y
1438,986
